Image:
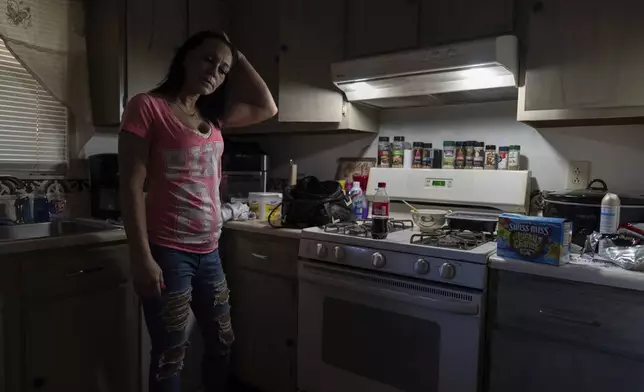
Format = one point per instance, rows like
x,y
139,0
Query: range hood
x,y
474,71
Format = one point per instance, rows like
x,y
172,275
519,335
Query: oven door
x,y
360,331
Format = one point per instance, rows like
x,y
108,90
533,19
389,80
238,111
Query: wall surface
x,y
616,153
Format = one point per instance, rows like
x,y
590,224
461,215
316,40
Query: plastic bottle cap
x,y
356,184
382,185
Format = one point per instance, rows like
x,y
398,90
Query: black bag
x,y
315,203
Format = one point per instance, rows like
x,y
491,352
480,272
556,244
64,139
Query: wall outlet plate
x,y
578,175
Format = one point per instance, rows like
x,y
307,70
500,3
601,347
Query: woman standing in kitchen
x,y
171,136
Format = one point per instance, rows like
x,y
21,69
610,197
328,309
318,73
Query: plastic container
x,y
428,155
514,157
449,154
479,156
490,157
408,156
380,212
398,152
417,155
359,201
384,152
469,154
459,156
262,203
610,209
503,158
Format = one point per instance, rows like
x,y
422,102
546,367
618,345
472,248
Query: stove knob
x,y
338,253
321,251
378,260
447,271
421,267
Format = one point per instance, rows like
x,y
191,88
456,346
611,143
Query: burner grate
x,y
362,227
457,239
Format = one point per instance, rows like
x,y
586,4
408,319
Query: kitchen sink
x,y
49,229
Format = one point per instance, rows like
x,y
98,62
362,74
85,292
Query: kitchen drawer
x,y
265,253
590,314
75,270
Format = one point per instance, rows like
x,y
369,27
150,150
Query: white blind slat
x,y
33,124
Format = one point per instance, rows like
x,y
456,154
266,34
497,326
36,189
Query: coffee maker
x,y
104,186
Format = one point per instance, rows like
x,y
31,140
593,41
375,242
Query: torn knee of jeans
x,y
176,309
171,362
221,292
226,335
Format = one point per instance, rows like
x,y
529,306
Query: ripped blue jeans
x,y
194,281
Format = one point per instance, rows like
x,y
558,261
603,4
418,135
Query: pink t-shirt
x,y
183,206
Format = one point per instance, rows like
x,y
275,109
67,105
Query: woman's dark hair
x,y
212,106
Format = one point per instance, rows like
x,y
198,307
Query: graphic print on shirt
x,y
197,208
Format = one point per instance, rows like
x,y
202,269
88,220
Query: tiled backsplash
x,y
47,186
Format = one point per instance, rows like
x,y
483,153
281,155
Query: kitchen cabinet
x,y
582,62
291,45
554,335
69,320
262,275
380,26
445,21
83,343
210,15
155,30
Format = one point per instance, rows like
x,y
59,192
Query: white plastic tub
x,y
262,203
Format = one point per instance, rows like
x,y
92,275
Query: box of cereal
x,y
534,238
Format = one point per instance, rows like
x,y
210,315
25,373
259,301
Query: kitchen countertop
x,y
30,245
263,227
577,271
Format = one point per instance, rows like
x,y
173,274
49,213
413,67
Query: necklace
x,y
184,110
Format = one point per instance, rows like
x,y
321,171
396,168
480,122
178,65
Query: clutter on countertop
x,y
263,204
534,239
236,211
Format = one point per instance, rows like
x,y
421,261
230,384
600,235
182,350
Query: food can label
x,y
380,208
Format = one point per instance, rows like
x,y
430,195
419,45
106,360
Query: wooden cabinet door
x,y
83,343
583,60
445,21
310,41
207,15
155,30
380,26
264,314
520,361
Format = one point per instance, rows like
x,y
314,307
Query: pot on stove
x,y
582,207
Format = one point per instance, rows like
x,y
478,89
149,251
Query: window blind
x,y
33,124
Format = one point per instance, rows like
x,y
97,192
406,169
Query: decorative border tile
x,y
46,186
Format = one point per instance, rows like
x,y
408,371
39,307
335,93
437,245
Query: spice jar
x,y
428,155
459,156
469,154
490,157
384,152
449,154
479,155
398,152
514,157
417,153
503,158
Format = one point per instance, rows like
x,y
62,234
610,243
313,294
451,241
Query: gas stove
x,y
362,227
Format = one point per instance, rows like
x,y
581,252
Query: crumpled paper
x,y
236,211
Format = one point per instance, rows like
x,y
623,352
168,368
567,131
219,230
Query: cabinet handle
x,y
568,319
86,271
259,256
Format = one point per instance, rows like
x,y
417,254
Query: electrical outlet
x,y
578,174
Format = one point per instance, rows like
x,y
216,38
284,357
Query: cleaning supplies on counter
x,y
359,201
533,238
263,203
609,215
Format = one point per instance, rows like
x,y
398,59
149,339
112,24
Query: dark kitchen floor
x,y
238,387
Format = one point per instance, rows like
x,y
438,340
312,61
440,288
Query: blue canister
x,y
41,209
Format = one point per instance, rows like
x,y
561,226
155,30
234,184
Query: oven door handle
x,y
330,277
